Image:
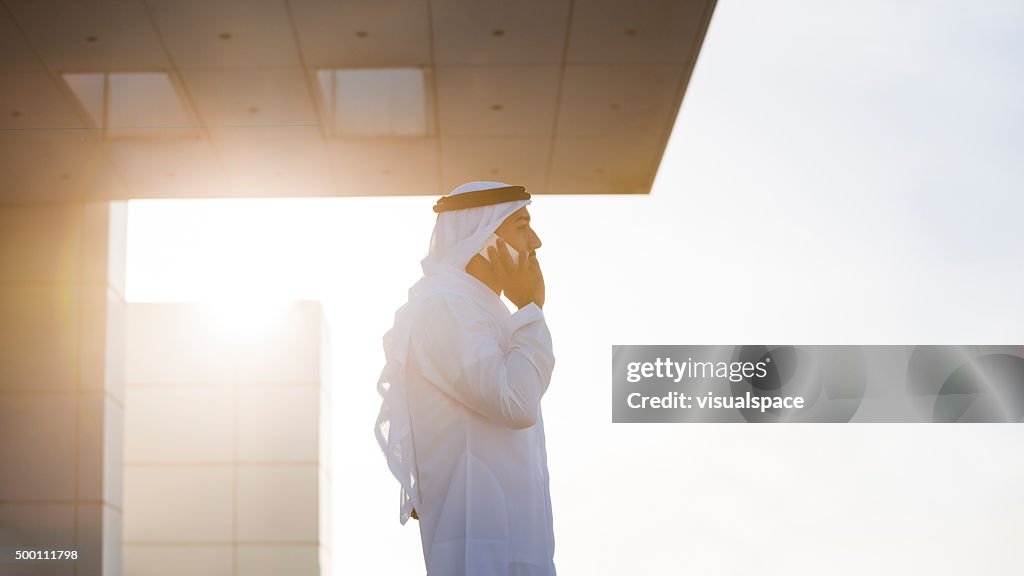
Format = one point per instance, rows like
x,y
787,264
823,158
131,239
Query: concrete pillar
x,y
62,271
226,440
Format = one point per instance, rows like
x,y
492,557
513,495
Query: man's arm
x,y
460,354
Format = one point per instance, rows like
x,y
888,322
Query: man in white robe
x,y
461,422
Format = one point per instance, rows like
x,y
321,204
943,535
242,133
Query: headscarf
x,y
457,236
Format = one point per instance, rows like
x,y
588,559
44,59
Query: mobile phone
x,y
493,241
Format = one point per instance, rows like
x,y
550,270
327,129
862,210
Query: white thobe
x,y
475,378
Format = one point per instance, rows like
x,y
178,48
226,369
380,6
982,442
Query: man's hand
x,y
522,282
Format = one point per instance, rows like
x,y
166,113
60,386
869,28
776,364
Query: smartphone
x,y
493,241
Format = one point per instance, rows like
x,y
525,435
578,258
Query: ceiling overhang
x,y
114,99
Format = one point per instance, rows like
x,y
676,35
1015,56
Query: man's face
x,y
516,230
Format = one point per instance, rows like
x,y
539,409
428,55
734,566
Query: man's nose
x,y
535,242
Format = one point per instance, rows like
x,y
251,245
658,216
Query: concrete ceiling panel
x,y
516,160
31,100
651,31
385,166
226,33
274,161
618,99
51,166
497,100
251,97
169,168
353,34
493,32
603,164
15,53
90,35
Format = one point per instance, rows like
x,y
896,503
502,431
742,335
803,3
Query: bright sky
x,y
841,172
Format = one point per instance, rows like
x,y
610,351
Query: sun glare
x,y
240,319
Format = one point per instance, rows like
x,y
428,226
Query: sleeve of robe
x,y
464,358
